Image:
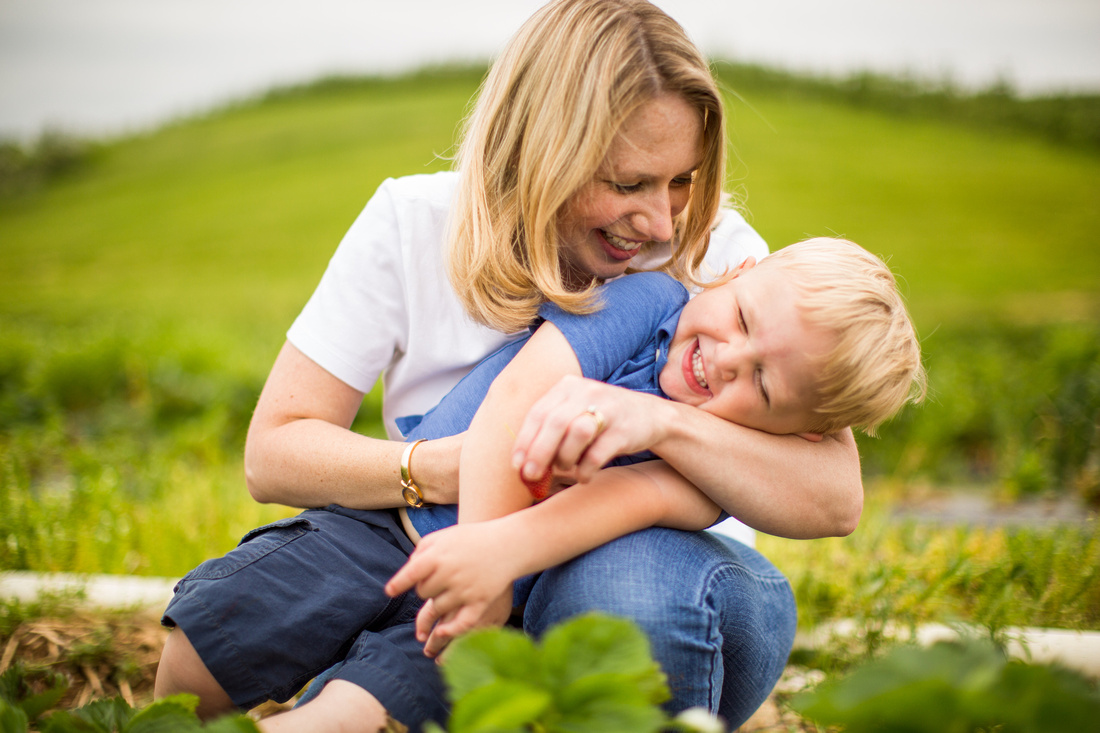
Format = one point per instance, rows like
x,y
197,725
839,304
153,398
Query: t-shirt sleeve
x,y
356,318
632,308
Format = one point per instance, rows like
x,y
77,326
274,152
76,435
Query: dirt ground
x,y
110,653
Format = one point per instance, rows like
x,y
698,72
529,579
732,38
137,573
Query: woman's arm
x,y
300,451
783,485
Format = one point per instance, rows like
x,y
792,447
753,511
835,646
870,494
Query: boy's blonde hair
x,y
874,366
545,117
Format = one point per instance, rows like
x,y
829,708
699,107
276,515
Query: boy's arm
x,y
464,569
488,485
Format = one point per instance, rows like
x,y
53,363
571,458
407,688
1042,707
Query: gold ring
x,y
600,423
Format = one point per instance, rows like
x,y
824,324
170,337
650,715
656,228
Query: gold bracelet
x,y
409,490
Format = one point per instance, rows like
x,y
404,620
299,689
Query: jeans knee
x,y
651,577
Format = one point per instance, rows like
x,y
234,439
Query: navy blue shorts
x,y
301,595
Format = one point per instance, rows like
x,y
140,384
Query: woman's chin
x,y
610,268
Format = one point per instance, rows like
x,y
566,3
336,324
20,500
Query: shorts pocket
x,y
254,546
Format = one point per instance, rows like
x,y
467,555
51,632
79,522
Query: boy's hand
x,y
458,622
465,574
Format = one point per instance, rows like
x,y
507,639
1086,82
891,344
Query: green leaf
x,y
12,718
11,684
36,705
65,721
232,724
1043,699
608,715
499,707
15,687
597,644
106,715
592,673
610,687
184,700
953,687
486,656
167,715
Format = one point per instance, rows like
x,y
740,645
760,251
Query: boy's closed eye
x,y
758,373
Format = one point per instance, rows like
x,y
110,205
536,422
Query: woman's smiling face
x,y
742,351
642,185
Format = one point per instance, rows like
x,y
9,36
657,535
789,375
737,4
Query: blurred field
x,y
146,284
231,218
223,223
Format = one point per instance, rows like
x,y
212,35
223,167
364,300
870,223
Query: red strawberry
x,y
539,489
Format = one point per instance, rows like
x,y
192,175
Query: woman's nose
x,y
654,219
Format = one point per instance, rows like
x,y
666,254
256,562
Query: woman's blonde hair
x,y
545,117
874,365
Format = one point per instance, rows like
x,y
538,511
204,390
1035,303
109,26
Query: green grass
x,y
906,573
146,284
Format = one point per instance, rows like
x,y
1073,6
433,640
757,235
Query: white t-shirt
x,y
385,305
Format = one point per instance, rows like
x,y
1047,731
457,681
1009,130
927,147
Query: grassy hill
x,y
231,218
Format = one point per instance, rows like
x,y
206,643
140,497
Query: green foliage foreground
x,y
591,674
966,687
594,673
28,700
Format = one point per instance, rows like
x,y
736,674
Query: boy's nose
x,y
727,360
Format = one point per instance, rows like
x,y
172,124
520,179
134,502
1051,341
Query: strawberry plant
x,y
966,687
592,673
26,701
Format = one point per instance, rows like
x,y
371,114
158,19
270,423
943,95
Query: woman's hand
x,y
581,424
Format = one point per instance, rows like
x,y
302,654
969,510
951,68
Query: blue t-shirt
x,y
625,343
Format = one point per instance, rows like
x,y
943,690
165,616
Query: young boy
x,y
813,339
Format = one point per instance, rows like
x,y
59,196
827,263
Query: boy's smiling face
x,y
743,352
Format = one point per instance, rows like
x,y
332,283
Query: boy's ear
x,y
812,437
746,264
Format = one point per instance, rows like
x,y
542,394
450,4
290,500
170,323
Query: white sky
x,y
106,66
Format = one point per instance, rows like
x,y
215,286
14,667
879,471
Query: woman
x,y
597,144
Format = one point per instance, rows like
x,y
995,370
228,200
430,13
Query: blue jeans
x,y
720,617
